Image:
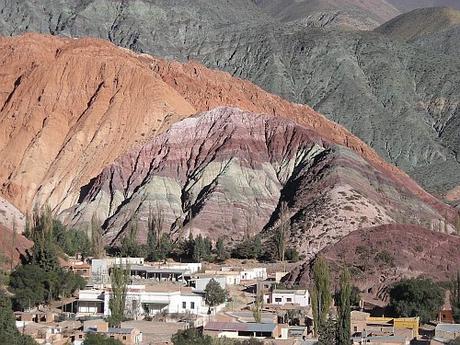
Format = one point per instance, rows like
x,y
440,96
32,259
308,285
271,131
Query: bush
x,y
99,339
190,337
292,255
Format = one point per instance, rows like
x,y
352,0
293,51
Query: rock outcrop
x,y
383,255
226,172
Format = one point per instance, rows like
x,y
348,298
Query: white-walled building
x,y
199,282
282,297
231,277
142,301
171,271
257,273
100,268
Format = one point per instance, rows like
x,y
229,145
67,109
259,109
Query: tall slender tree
x,y
97,242
455,297
13,245
320,293
154,235
344,309
282,232
119,277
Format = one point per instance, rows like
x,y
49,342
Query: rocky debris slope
x,y
12,246
66,102
383,255
225,172
399,98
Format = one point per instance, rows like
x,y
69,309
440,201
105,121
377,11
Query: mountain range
x,y
212,112
399,96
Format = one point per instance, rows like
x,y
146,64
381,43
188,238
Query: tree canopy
x,y
9,334
214,293
99,339
417,297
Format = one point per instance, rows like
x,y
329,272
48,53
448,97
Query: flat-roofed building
x,y
246,330
231,277
128,336
444,333
300,297
199,282
142,300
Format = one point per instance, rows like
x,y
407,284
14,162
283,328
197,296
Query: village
x,y
237,302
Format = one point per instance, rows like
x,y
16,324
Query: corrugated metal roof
x,y
448,327
239,326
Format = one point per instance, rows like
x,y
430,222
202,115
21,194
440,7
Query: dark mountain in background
x,y
349,14
408,5
437,29
400,98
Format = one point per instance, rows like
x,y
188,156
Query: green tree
x,y
282,232
8,332
44,251
97,241
155,250
417,297
257,308
99,339
28,285
221,251
328,333
344,309
249,248
214,293
119,278
129,244
321,293
455,297
190,337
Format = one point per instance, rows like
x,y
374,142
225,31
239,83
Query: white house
x,y
257,273
142,301
100,268
282,297
231,277
199,282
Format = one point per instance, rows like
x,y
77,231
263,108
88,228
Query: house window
x,y
184,305
278,299
124,337
192,305
289,299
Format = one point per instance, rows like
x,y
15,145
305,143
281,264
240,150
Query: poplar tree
x,y
119,277
344,309
455,297
282,232
97,242
321,293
